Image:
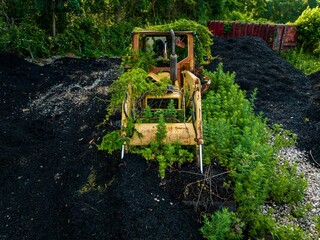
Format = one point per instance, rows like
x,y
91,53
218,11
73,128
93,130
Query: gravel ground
x,y
311,200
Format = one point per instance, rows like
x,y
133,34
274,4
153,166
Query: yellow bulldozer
x,y
174,56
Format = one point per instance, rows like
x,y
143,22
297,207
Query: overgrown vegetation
x,y
164,154
135,77
82,37
203,40
306,57
240,141
221,225
245,146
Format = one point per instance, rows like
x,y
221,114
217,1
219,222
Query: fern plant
x,y
220,226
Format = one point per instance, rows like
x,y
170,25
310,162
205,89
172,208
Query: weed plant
x,y
304,61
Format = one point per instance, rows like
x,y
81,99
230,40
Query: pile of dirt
x,y
55,186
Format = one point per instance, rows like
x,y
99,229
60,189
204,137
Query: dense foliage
x,y
40,28
308,25
203,40
280,11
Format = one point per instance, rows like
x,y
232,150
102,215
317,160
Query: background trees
x,y
93,27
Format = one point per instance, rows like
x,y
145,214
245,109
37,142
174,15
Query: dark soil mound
x,y
315,97
285,94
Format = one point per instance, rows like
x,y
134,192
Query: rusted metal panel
x,y
216,27
270,34
277,36
250,29
290,36
279,33
244,28
237,29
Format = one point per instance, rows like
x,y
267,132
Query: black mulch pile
x,y
54,186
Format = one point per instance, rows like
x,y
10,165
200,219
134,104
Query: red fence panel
x,y
270,34
290,36
277,36
216,28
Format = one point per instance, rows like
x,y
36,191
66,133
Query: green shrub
x,y
240,141
79,37
263,225
234,134
308,26
302,60
84,37
288,186
116,38
137,79
29,40
112,141
165,154
4,36
221,225
288,232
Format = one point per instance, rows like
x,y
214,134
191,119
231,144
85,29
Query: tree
x,y
253,7
283,11
3,11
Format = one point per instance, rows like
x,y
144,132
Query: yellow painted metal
x,y
159,76
176,132
192,85
171,95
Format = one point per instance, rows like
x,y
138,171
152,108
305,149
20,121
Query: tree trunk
x,y
4,7
53,7
154,9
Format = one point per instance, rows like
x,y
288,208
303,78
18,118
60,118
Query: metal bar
x,y
200,155
122,151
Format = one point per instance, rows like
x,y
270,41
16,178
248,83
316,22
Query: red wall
x,y
277,36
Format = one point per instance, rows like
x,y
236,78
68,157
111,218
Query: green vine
x,y
227,27
140,84
203,40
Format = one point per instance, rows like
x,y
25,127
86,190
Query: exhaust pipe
x,y
173,59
